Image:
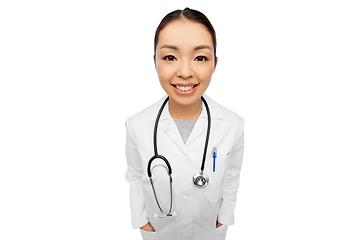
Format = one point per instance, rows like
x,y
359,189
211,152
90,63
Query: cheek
x,y
205,73
164,73
165,77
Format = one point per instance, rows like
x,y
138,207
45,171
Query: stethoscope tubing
x,y
157,201
156,155
198,176
207,134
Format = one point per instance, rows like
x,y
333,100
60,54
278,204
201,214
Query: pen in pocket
x,y
214,156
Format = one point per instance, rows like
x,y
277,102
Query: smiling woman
x,y
185,61
199,204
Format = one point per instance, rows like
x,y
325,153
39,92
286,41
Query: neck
x,y
188,112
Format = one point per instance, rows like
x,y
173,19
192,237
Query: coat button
x,y
187,194
186,220
187,161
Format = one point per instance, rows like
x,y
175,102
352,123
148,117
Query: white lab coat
x,y
197,209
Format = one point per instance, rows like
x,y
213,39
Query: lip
x,y
191,91
185,84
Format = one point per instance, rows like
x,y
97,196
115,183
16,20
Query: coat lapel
x,y
168,125
199,129
172,130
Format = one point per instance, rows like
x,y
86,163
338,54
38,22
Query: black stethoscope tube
x,y
207,134
156,155
200,179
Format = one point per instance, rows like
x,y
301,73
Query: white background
x,y
72,71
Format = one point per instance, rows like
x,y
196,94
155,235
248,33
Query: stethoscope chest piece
x,y
200,179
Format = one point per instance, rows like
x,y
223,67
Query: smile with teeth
x,y
185,88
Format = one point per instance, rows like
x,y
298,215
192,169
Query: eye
x,y
169,58
201,58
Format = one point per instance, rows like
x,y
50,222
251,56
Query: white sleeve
x,y
227,206
133,176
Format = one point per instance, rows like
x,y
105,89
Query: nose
x,y
185,70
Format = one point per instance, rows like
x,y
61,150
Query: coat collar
x,y
215,111
169,125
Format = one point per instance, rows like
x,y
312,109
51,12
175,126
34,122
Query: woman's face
x,y
185,60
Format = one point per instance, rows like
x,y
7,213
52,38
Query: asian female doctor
x,y
184,153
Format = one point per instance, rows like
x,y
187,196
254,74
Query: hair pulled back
x,y
189,14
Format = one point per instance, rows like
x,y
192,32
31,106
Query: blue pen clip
x,y
214,156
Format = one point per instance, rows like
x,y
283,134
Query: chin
x,y
185,100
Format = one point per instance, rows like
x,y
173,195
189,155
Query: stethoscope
x,y
200,179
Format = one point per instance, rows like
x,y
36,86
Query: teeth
x,y
184,88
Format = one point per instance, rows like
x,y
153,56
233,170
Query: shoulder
x,y
229,123
144,116
232,116
229,116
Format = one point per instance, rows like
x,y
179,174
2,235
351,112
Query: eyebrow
x,y
195,48
202,47
169,46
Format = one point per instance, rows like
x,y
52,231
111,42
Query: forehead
x,y
185,33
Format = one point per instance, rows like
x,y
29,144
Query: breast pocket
x,y
217,175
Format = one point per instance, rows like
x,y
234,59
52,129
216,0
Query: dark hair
x,y
189,14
